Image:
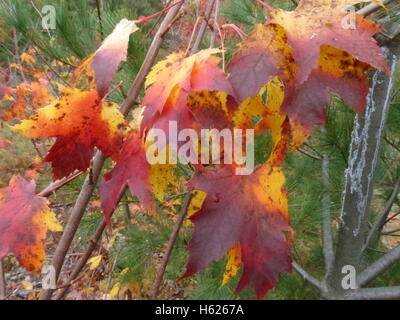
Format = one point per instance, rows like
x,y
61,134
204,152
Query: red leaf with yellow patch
x,y
261,57
172,79
247,210
25,219
324,22
337,72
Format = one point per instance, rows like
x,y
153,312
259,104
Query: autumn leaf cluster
x,y
282,74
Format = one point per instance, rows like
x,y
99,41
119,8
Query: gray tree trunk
x,y
359,178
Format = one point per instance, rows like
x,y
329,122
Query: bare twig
x,y
171,244
391,217
74,219
392,144
2,281
158,20
83,260
161,12
58,184
196,23
371,8
387,233
378,267
202,28
216,16
327,240
385,293
38,151
380,221
306,276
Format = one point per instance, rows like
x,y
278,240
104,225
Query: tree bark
x,y
359,176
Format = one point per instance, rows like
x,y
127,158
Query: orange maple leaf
x,y
80,121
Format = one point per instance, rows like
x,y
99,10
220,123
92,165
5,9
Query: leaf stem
x,y
155,15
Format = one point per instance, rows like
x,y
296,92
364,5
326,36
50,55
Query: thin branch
x,y
378,267
380,221
98,7
203,26
2,281
171,244
157,21
392,144
222,38
39,153
155,15
384,293
58,184
327,240
387,233
371,8
82,261
309,278
216,16
196,23
391,217
240,33
98,161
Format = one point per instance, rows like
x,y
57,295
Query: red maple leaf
x,y
25,219
249,210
